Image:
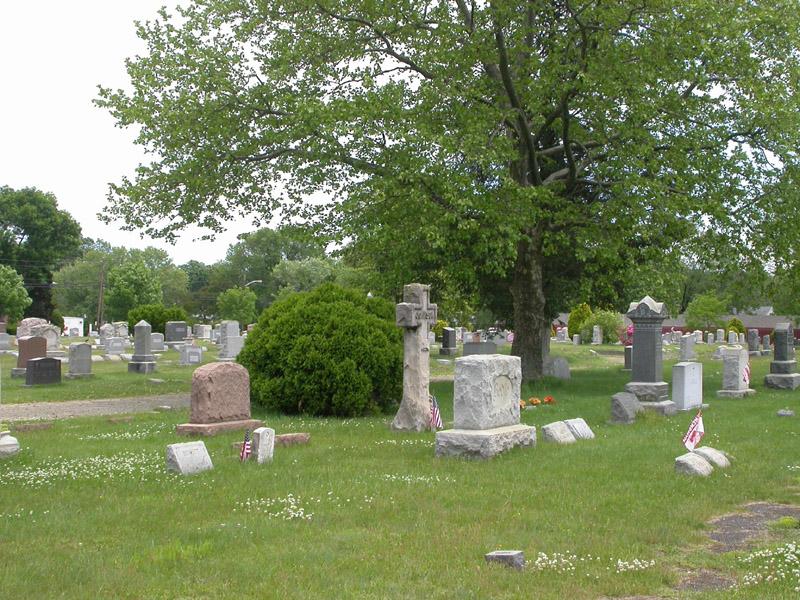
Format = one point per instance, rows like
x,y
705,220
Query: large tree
x,y
14,298
36,239
524,137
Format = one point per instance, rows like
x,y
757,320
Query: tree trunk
x,y
530,320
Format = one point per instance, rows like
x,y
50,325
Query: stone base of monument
x,y
664,407
209,429
788,381
142,367
226,359
754,352
766,352
56,354
18,372
483,443
735,393
646,391
77,375
448,351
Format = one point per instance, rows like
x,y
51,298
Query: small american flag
x,y
246,449
746,374
695,433
436,416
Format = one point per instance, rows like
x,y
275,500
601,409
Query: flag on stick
x,y
695,433
246,448
746,374
436,416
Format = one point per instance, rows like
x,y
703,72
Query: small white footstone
x,y
188,458
693,464
9,446
263,444
484,443
558,432
715,457
580,429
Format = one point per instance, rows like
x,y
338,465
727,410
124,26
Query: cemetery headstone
x,y
576,339
263,444
25,327
80,361
733,338
698,336
228,328
693,464
580,429
766,346
9,446
190,355
628,358
220,400
28,348
175,332
561,334
742,339
449,344
735,374
753,342
471,348
558,433
514,559
597,335
3,325
49,332
415,314
687,347
556,366
5,342
687,385
231,347
106,331
43,371
157,342
143,360
188,458
431,338
783,368
709,338
624,408
486,391
720,336
647,374
114,346
202,331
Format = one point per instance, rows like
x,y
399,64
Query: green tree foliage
x,y
238,304
705,312
537,145
14,297
735,325
157,315
130,285
609,321
577,317
36,239
331,351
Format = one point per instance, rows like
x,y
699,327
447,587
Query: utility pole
x,y
100,307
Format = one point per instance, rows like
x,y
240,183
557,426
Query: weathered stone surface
x,y
211,429
49,332
263,444
485,443
24,327
190,355
735,378
789,381
625,407
580,429
157,342
143,359
648,391
486,391
556,366
30,348
664,407
715,457
9,446
687,347
477,348
514,559
43,371
687,385
220,392
785,412
292,439
558,433
188,458
693,464
80,360
628,364
176,331
114,346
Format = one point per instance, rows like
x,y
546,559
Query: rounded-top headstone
x,y
220,392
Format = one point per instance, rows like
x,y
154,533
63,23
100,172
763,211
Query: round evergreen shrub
x,y
577,316
735,325
330,351
609,321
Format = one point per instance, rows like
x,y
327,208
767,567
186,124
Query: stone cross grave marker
x,y
415,314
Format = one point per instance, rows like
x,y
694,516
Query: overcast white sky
x,y
53,54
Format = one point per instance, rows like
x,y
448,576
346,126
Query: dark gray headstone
x,y
449,346
142,360
753,340
628,358
784,342
479,348
647,316
176,331
42,371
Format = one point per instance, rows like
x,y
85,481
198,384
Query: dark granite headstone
x,y
175,331
42,371
448,342
29,347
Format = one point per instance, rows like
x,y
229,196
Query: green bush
x,y
735,325
577,317
330,351
438,329
57,319
157,315
609,321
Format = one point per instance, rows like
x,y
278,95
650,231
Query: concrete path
x,y
89,408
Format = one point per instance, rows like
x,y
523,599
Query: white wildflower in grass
x,y
568,562
132,465
793,467
415,442
135,433
778,565
291,507
416,478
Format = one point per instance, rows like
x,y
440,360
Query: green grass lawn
x,y
87,509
